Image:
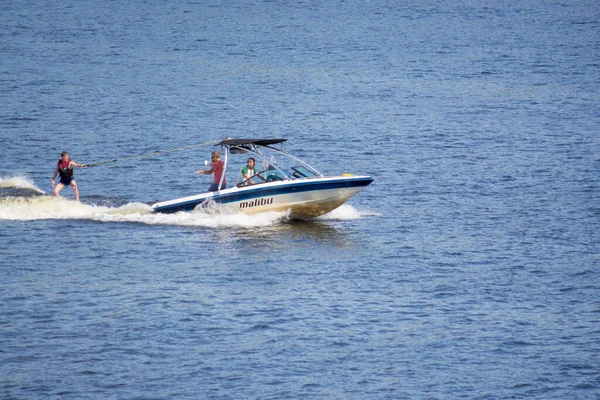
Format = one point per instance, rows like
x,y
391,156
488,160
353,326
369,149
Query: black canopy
x,y
258,142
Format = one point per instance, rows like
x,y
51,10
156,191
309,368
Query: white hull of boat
x,y
304,199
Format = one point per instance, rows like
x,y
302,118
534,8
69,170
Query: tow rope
x,y
156,153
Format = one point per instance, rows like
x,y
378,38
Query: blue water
x,y
468,269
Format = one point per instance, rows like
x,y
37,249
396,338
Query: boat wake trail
x,y
19,186
19,208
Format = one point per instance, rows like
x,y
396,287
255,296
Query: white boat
x,y
283,183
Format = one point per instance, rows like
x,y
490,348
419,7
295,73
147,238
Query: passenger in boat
x,y
64,167
249,171
216,167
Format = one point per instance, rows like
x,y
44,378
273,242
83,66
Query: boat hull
x,y
306,198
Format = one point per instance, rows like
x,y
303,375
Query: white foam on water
x,y
20,182
212,217
50,207
44,207
347,212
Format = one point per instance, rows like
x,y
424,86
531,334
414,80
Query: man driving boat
x,y
249,171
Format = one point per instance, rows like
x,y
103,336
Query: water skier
x,y
64,167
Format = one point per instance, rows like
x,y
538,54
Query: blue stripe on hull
x,y
261,191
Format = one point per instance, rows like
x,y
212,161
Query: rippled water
x,y
468,269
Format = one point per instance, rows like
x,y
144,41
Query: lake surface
x,y
468,269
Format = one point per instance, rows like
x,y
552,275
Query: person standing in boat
x,y
249,171
64,168
217,166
